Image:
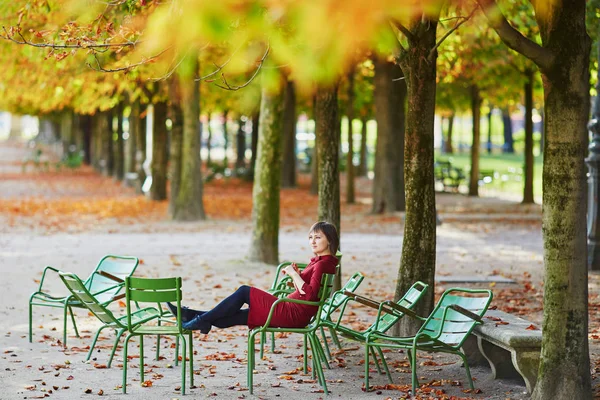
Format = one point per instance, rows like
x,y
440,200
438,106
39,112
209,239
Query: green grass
x,y
508,167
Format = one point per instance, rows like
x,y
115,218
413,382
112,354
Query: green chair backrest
x,y
152,290
324,293
410,298
117,266
335,301
452,327
81,293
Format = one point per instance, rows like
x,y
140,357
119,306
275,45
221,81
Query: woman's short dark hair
x,y
330,233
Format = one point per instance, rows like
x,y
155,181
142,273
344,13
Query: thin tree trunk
x,y
240,145
140,154
225,140
314,166
288,166
118,145
476,112
107,144
175,143
189,201
350,170
418,248
265,193
158,190
489,141
254,141
363,168
448,149
528,167
508,132
328,145
86,129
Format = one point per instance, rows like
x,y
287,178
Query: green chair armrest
x,y
402,309
466,312
110,276
44,276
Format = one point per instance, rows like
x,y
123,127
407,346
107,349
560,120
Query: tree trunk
x,y
350,170
363,168
240,159
188,201
140,156
418,248
225,140
328,147
254,142
528,167
108,146
85,122
390,97
267,178
67,132
476,112
288,167
175,143
448,149
489,141
131,146
119,146
508,132
158,190
314,166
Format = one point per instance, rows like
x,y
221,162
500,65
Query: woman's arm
x,y
292,271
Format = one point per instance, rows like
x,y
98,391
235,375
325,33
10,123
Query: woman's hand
x,y
294,272
292,267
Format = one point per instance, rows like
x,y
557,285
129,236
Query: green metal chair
x,y
104,283
447,327
308,333
120,324
161,290
388,315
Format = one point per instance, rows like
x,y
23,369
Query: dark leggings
x,y
229,312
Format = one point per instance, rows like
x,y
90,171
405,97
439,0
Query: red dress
x,y
291,315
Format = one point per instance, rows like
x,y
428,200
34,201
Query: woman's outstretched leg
x,y
187,314
239,318
226,308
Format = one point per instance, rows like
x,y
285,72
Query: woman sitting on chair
x,y
324,241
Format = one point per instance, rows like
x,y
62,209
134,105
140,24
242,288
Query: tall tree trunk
x,y
328,146
475,147
132,141
67,131
265,193
85,122
240,145
208,142
160,155
108,146
528,167
418,248
350,170
95,136
362,168
175,143
140,154
189,201
448,149
390,97
119,146
314,166
563,59
489,141
225,140
254,141
508,132
288,167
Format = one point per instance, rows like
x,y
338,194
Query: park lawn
x,y
508,170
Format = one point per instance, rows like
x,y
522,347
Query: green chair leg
x,y
176,350
114,348
317,364
125,363
305,355
263,339
184,353
272,342
251,361
65,326
335,338
367,349
467,370
158,343
141,358
30,321
73,320
385,366
89,355
326,345
375,360
413,362
191,361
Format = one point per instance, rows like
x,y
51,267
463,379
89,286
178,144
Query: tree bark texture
x,y
476,145
85,125
390,97
563,59
132,141
225,140
176,143
107,145
267,177
328,144
448,148
208,142
119,145
158,190
350,170
240,145
508,133
489,141
189,204
140,154
528,167
288,166
254,142
362,168
314,166
418,249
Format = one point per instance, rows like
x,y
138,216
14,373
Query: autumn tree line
x,y
91,61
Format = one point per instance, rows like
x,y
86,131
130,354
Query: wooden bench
x,y
511,349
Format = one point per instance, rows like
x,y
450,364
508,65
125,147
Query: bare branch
x,y
100,68
398,25
461,20
259,65
86,43
543,57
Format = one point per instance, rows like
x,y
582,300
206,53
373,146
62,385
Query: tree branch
x,y
398,25
85,45
543,57
100,68
226,84
461,20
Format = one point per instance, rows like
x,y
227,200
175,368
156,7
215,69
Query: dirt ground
x,y
70,219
